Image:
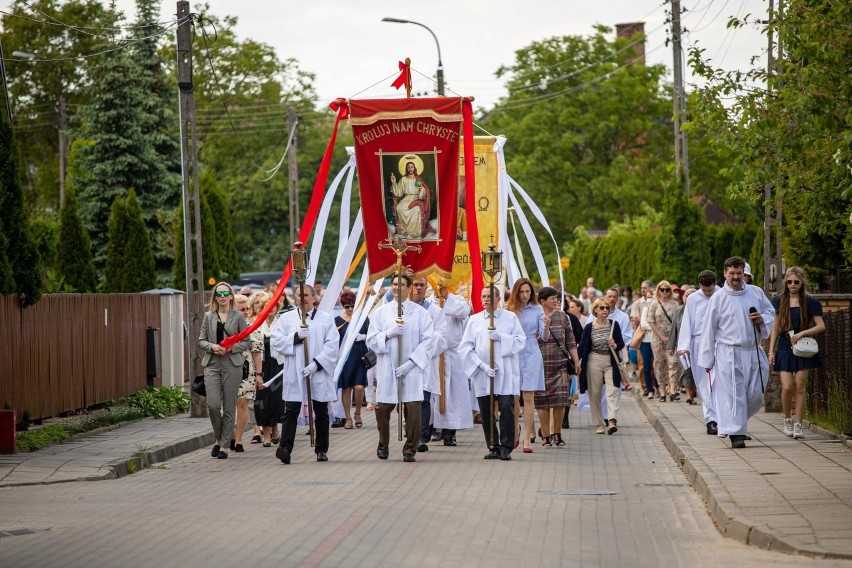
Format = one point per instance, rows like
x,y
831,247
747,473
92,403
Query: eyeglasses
x,y
222,294
244,310
665,289
604,308
347,306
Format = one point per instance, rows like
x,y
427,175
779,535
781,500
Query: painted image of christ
x,y
412,200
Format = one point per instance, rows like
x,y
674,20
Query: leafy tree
x,y
74,250
226,248
793,134
36,87
20,247
7,280
45,229
682,238
129,262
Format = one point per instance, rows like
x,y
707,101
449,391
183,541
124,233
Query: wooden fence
x,y
71,351
829,389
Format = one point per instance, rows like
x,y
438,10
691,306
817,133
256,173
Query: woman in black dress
x,y
269,402
796,315
354,373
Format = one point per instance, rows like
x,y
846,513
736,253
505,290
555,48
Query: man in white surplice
x,y
738,316
431,383
456,415
384,337
509,340
287,345
687,344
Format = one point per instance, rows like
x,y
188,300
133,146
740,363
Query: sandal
x,y
547,442
256,440
348,424
358,422
560,443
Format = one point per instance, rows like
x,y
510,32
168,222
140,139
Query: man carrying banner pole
x,y
401,364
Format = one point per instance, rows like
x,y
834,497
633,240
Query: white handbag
x,y
805,347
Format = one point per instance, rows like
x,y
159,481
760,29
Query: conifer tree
x,y
115,259
20,250
226,247
74,249
140,274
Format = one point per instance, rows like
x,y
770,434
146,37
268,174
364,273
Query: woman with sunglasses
x,y
797,314
599,367
354,373
660,315
223,366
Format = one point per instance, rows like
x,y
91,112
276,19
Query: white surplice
x,y
323,341
687,340
727,344
475,349
432,383
456,415
417,345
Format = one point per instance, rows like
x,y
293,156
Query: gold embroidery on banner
x,y
373,118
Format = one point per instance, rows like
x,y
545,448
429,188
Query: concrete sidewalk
x,y
108,453
777,493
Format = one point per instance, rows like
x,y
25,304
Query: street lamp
x,y
440,64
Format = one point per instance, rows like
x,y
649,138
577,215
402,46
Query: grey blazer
x,y
235,324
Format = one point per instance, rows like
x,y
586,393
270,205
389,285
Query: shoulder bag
x,y
805,347
622,365
572,370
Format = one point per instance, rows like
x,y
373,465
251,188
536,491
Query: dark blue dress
x,y
354,372
784,358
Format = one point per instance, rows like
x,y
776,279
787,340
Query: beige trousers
x,y
599,374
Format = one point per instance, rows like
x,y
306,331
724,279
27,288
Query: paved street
x,y
449,508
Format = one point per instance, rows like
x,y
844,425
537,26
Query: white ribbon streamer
x,y
521,264
322,222
338,278
531,239
345,202
503,188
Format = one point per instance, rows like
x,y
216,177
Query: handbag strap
x,y
662,307
611,331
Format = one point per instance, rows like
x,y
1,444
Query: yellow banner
x,y
485,210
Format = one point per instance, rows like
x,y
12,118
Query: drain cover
x,y
576,492
661,485
18,532
313,483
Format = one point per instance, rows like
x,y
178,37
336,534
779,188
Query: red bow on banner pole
x,y
404,77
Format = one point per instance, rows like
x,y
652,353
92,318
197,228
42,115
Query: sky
x,y
351,51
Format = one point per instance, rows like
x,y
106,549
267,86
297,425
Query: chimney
x,y
629,31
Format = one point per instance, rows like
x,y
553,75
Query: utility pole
x,y
293,176
191,198
63,146
681,152
772,265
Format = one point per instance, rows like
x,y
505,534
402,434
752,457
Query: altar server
x,y
431,384
509,340
286,341
415,346
738,316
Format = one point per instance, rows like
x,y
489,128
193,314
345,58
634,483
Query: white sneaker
x,y
788,427
797,431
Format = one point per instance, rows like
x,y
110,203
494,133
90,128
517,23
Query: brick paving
x,y
450,508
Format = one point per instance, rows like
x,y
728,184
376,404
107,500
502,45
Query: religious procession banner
x,y
484,207
407,151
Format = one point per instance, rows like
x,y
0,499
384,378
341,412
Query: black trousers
x,y
426,418
504,434
288,425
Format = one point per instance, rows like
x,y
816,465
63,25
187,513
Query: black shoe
x,y
712,428
408,458
224,455
436,436
214,453
233,445
505,455
283,454
662,398
338,423
539,434
450,442
382,453
612,428
422,447
239,448
492,455
747,437
321,457
738,442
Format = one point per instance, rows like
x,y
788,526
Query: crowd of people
x,y
444,368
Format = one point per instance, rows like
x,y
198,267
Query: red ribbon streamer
x,y
404,77
470,207
308,224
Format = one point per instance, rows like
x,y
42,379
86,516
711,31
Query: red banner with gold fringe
x,y
407,153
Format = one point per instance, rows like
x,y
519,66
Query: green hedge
x,y
630,258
